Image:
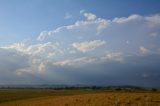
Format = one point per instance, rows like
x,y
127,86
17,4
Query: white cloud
x,y
78,61
109,56
42,67
42,36
98,25
92,22
144,50
68,16
102,25
116,56
89,29
88,45
61,46
38,55
90,16
83,35
44,49
153,20
50,55
127,19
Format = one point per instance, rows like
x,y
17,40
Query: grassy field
x,y
49,97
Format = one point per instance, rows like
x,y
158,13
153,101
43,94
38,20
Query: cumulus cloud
x,y
109,56
91,21
127,19
88,45
41,49
38,55
81,46
96,25
90,16
153,20
144,50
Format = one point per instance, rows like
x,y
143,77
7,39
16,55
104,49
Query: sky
x,y
88,42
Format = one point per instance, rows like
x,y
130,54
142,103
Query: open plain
x,y
49,97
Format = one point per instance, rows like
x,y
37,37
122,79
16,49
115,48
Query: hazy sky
x,y
96,42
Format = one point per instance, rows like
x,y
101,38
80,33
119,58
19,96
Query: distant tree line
x,y
65,87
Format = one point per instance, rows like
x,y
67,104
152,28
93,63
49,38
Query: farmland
x,y
50,97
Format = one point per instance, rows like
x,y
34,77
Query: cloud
x,y
68,16
88,45
38,55
77,52
90,16
42,36
122,20
44,49
96,24
109,56
153,20
10,62
42,67
78,61
116,56
144,50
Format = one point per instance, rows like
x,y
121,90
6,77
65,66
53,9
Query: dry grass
x,y
93,99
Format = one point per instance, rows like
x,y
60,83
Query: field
x,y
49,97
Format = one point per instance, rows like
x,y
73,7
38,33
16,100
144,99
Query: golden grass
x,y
93,99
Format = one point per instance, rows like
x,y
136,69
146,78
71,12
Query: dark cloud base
x,y
134,70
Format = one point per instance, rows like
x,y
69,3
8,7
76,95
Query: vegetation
x,y
80,96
